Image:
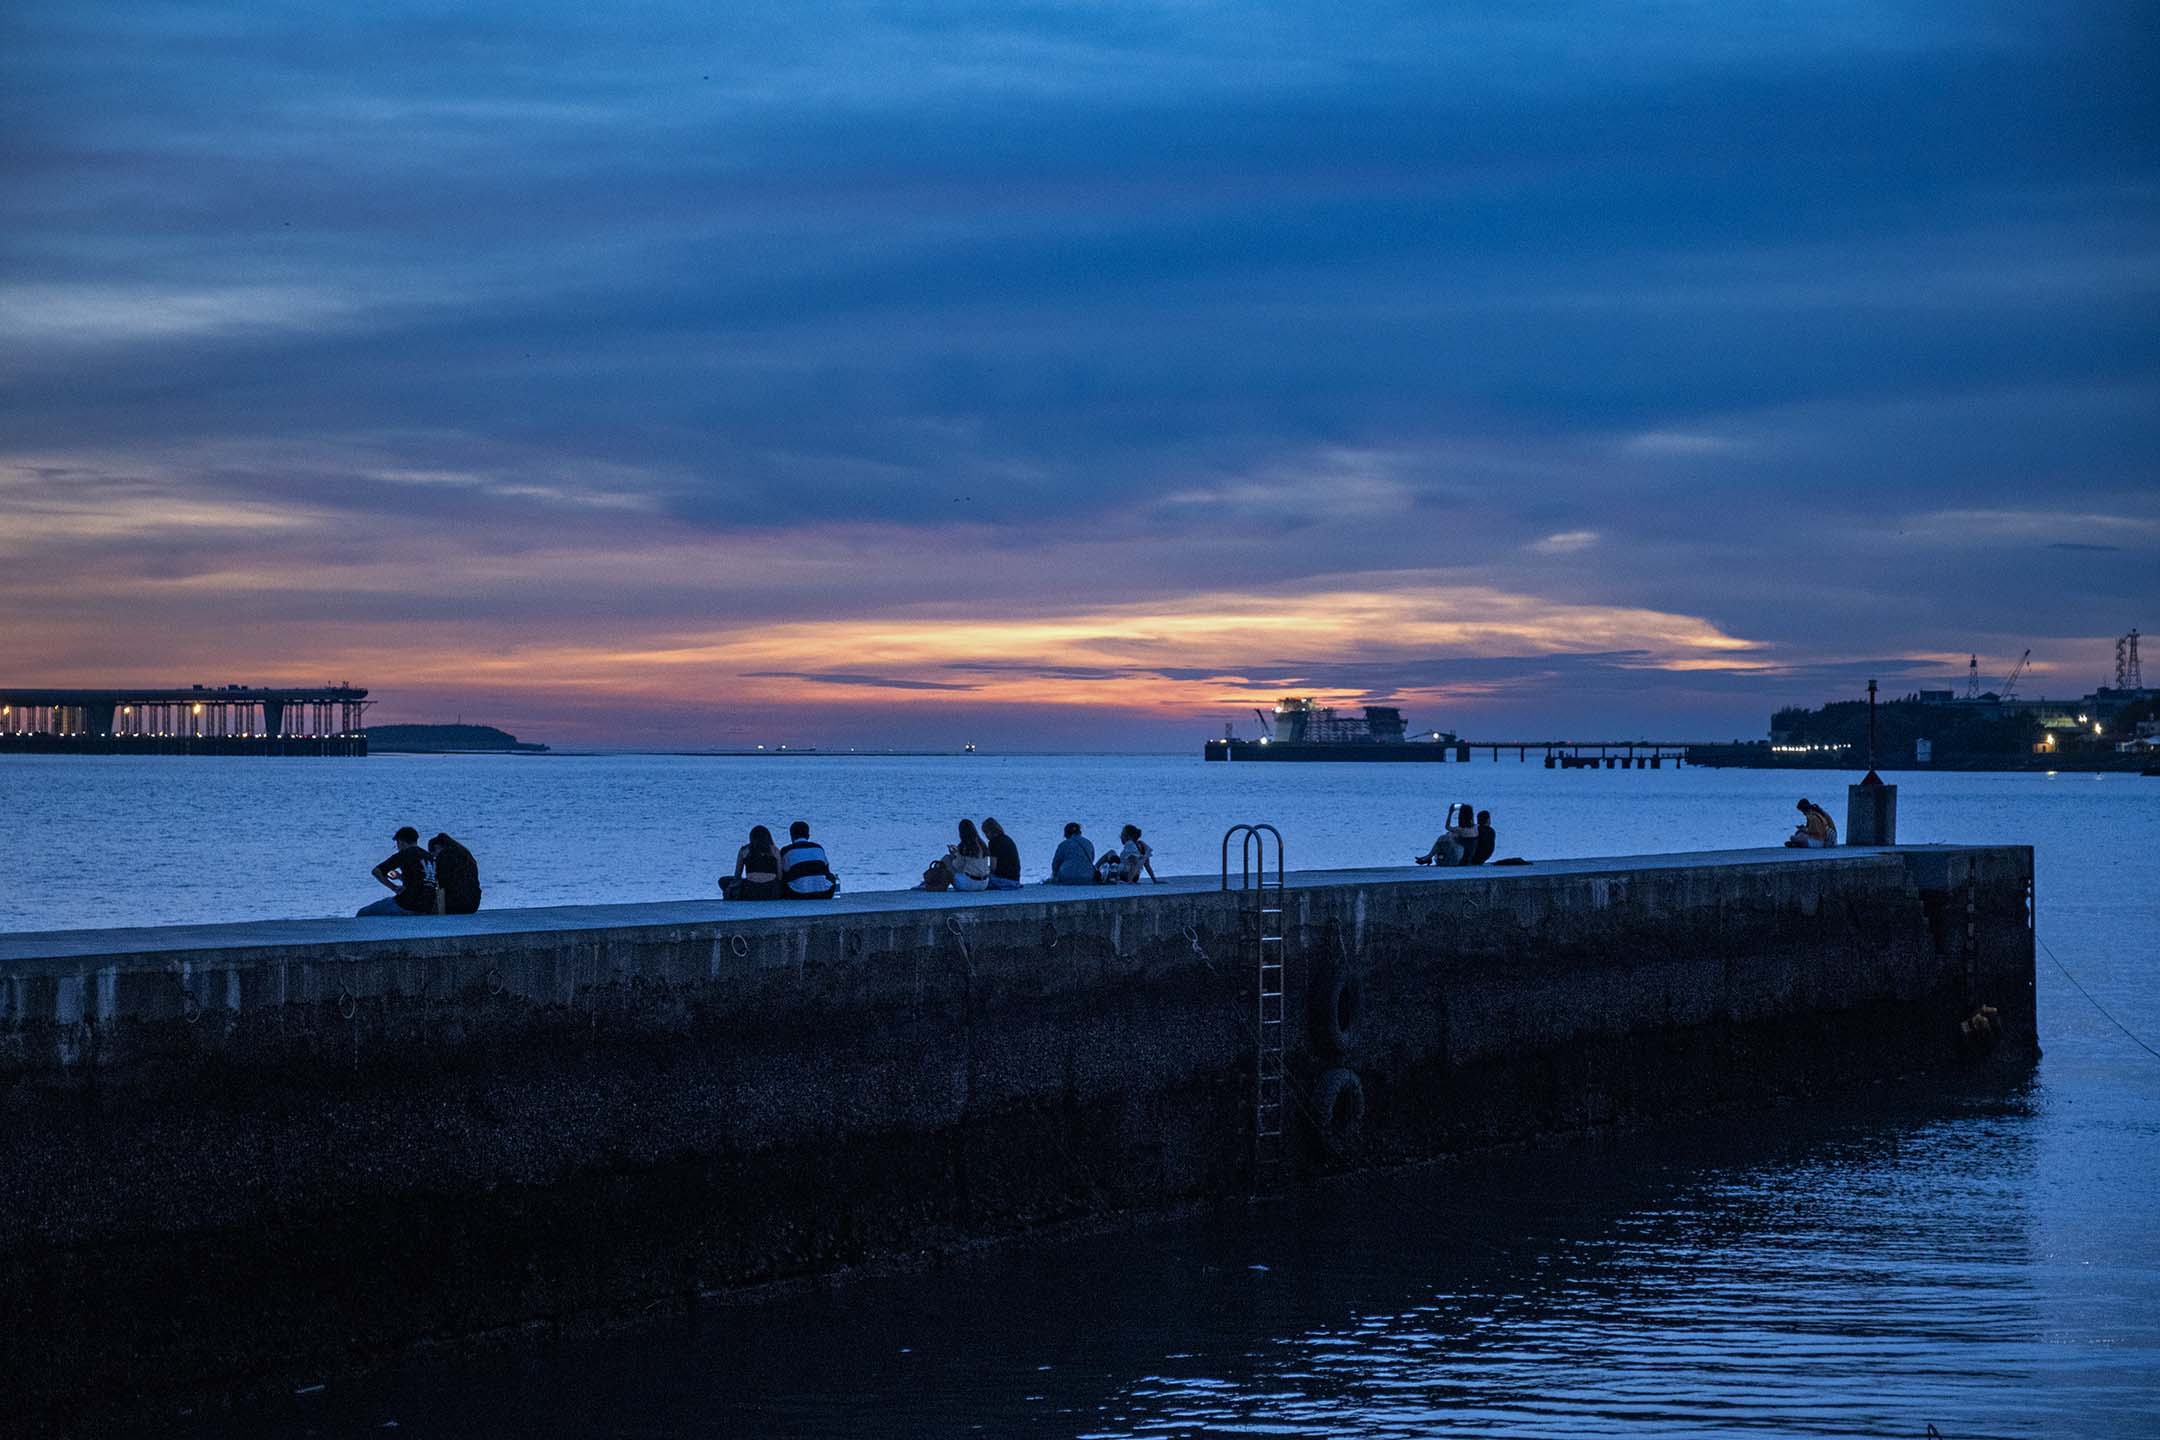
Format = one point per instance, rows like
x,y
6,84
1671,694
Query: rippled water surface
x,y
1983,1256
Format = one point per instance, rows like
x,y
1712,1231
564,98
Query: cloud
x,y
1566,542
119,314
1330,486
867,682
1996,525
1679,443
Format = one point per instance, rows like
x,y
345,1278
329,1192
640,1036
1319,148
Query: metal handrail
x,y
1252,855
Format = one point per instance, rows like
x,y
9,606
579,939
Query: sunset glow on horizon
x,y
1074,377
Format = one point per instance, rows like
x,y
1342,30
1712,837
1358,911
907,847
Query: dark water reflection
x,y
1815,1272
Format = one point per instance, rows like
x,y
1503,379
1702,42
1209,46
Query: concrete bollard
x,y
1871,814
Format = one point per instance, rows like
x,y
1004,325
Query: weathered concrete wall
x,y
227,1153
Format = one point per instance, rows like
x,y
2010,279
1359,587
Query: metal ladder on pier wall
x,y
1263,939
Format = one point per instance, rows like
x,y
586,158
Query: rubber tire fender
x,y
1333,1003
1339,1108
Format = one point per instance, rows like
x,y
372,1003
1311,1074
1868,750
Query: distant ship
x,y
1301,730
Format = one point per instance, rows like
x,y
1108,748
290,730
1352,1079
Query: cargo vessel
x,y
1302,730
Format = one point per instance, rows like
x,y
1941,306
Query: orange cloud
x,y
1165,655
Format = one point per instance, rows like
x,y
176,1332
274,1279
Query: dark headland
x,y
447,740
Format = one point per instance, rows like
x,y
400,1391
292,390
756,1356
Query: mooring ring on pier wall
x,y
738,946
1334,1001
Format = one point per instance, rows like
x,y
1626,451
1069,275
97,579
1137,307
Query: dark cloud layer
x,y
1836,327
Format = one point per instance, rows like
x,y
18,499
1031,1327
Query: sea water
x,y
1982,1255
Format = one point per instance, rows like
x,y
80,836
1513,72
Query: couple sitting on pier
x,y
1077,864
797,870
443,879
1468,839
979,860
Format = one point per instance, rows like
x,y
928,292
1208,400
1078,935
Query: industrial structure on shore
x,y
196,720
2110,727
1304,731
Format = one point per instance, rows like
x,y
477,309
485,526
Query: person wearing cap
x,y
412,891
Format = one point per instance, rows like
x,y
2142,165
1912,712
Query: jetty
x,y
194,720
1453,750
248,1156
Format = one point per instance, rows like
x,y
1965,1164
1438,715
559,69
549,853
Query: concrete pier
x,y
251,1154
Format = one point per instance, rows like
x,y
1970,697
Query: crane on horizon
x,y
2009,689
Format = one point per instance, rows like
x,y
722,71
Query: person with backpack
x,y
969,860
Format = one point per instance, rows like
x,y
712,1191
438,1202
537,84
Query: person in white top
x,y
1136,857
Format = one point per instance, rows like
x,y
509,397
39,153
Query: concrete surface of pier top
x,y
237,1154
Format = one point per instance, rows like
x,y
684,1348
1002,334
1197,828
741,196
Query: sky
x,y
1077,376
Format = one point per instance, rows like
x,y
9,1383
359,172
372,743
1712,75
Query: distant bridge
x,y
200,719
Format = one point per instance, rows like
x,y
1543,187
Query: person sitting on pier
x,y
757,870
1487,838
969,860
1135,856
413,891
1816,830
803,867
1109,866
1004,856
1074,863
1465,833
1458,842
457,876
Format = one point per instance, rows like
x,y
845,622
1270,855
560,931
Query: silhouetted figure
x,y
758,870
1004,855
1457,843
1816,830
457,876
413,891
